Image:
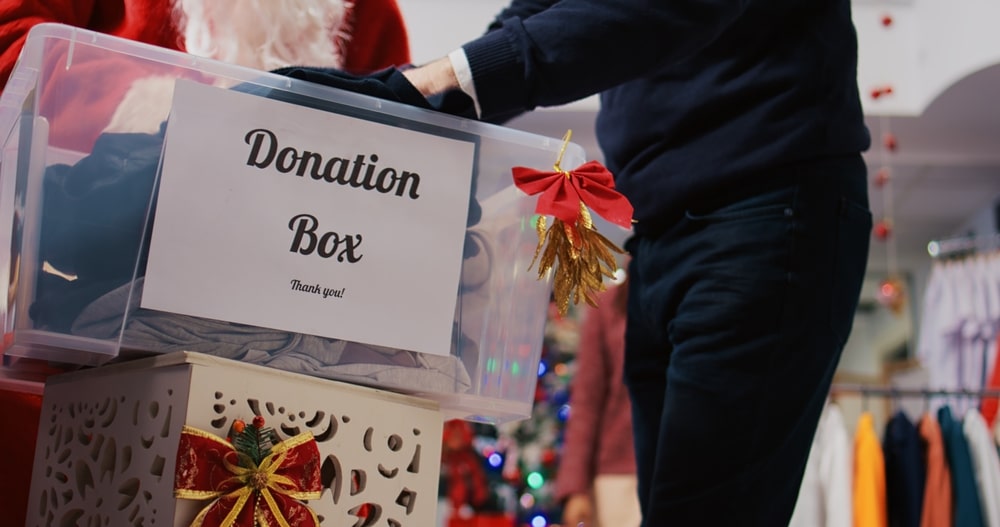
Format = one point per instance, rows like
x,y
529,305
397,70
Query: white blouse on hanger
x,y
985,465
958,325
825,493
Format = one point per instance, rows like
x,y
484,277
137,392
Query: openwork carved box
x,y
108,437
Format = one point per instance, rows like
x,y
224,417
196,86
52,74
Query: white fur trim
x,y
265,34
145,106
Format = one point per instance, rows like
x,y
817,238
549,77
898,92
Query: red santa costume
x,y
358,36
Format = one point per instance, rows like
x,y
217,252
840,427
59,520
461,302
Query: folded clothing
x,y
160,332
93,225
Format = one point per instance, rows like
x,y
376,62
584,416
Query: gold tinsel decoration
x,y
578,255
579,271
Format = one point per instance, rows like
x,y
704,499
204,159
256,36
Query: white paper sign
x,y
296,219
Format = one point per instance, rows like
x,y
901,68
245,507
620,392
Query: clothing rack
x,y
892,391
962,245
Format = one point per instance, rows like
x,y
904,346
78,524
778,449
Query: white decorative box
x,y
108,441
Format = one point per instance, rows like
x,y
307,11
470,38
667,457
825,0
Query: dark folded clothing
x,y
389,84
93,225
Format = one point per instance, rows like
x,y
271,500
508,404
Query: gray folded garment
x,y
162,332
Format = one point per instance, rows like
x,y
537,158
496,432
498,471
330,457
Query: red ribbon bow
x,y
571,247
562,192
210,467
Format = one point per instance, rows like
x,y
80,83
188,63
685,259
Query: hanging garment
x,y
869,476
991,404
958,326
996,433
939,323
985,465
904,472
967,509
937,489
825,494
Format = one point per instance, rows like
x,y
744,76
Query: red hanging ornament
x,y
883,229
882,177
886,20
892,294
512,475
889,141
540,393
549,457
462,467
879,91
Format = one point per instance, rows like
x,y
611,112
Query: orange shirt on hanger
x,y
869,476
937,487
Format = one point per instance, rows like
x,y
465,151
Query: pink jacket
x,y
599,429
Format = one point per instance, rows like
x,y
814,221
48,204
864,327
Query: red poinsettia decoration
x,y
252,481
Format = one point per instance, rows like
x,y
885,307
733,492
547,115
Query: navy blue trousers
x,y
738,312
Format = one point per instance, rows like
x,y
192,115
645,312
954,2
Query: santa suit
x,y
358,36
371,34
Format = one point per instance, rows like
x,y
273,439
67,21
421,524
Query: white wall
x,y
436,27
928,46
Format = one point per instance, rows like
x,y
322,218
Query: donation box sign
x,y
296,219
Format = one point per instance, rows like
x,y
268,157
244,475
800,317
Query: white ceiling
x,y
946,170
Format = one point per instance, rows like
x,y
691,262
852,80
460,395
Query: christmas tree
x,y
533,445
518,461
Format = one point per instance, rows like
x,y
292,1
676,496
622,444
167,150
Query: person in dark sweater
x,y
735,129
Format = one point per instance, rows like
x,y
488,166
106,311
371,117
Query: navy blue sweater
x,y
696,95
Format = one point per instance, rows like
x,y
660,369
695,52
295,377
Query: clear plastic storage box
x,y
154,202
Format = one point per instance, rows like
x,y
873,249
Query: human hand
x,y
433,78
578,511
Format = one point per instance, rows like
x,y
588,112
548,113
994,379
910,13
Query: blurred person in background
x,y
596,480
